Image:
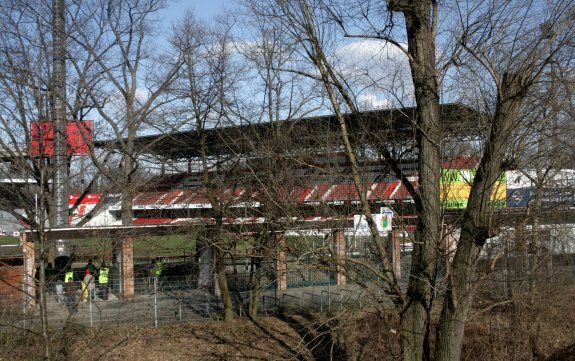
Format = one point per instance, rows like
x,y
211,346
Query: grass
x,y
9,240
152,246
160,246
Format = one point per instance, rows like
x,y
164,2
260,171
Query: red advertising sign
x,y
42,139
84,206
78,138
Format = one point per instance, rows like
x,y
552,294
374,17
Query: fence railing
x,y
167,300
172,298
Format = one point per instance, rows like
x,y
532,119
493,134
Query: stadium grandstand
x,y
300,163
320,182
295,175
300,160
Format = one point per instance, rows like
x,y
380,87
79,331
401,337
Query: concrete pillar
x,y
206,264
281,262
127,267
340,249
215,253
28,268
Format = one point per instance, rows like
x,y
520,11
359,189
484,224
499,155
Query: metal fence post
x,y
156,302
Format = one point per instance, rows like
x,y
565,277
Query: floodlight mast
x,y
59,122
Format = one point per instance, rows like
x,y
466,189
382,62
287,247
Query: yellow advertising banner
x,y
456,187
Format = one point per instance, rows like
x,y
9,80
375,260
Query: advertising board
x,y
383,222
78,138
456,186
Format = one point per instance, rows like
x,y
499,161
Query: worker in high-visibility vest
x,y
157,267
155,273
70,290
103,281
69,276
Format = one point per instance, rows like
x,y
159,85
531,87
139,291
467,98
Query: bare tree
x,y
274,168
27,51
206,92
513,66
119,44
129,90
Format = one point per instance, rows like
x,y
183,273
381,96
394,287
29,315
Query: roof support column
x,y
281,262
340,251
127,267
29,286
395,252
207,276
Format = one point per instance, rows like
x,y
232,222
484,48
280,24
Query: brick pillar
x,y
520,265
394,250
340,250
520,240
281,262
127,267
28,271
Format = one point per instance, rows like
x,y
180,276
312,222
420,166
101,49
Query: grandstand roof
x,y
300,133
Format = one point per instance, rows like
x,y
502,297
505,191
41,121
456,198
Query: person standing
x,y
60,291
70,289
90,266
157,267
155,273
90,286
103,281
51,273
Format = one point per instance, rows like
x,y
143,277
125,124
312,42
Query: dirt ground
x,y
239,340
206,340
536,326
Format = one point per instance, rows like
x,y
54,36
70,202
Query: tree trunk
x,y
223,284
457,303
420,17
476,224
43,307
416,315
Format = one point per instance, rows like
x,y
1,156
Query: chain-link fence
x,y
178,298
164,300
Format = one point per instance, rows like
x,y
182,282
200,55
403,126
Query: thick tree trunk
x,y
416,315
476,224
420,23
223,284
457,302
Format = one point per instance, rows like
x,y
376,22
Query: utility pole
x,y
59,122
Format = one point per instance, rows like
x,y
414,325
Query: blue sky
x,y
203,9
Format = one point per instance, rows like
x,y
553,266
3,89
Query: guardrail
x,y
276,304
299,300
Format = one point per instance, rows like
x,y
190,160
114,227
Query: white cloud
x,y
366,52
370,101
377,71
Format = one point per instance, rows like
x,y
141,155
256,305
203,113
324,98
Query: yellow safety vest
x,y
69,276
158,269
103,278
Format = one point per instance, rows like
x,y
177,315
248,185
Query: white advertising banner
x,y
383,222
